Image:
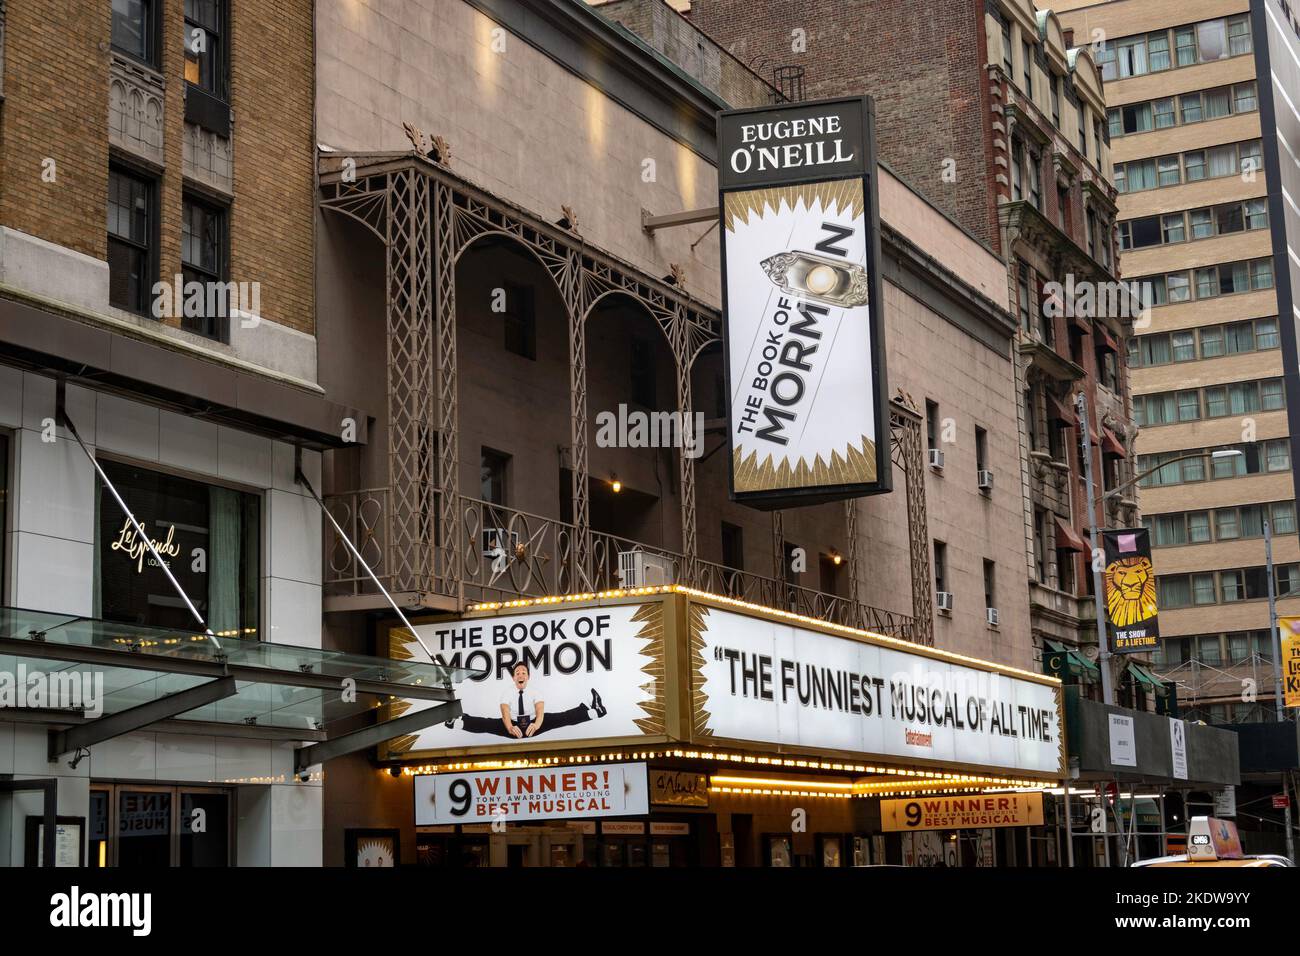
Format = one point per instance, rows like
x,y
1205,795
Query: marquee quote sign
x,y
766,681
801,303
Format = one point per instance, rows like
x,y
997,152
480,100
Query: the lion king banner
x,y
1132,613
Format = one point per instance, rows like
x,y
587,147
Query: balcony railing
x,y
507,554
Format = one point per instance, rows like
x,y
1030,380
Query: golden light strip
x,y
906,780
830,785
777,612
774,792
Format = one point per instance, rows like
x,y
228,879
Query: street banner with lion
x,y
1132,613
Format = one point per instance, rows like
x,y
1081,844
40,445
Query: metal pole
x,y
1069,829
1290,834
1103,643
1274,634
301,478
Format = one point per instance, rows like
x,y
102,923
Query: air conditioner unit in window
x,y
494,538
936,459
637,569
993,616
943,600
985,480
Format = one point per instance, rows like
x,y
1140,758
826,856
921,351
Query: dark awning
x,y
1107,340
1067,537
1059,411
1111,445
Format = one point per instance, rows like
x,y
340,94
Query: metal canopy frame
x,y
81,736
373,736
426,216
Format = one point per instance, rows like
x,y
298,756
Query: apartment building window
x,y
1035,179
1031,420
642,373
132,240
1220,524
520,322
1063,208
733,546
981,449
1230,586
1017,170
1202,42
135,29
931,424
990,584
1056,100
1007,66
204,259
1081,113
493,474
1210,282
1255,458
1040,544
1213,341
205,54
1022,280
1194,165
941,567
1028,57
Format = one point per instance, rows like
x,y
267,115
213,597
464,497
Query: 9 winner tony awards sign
x,y
801,303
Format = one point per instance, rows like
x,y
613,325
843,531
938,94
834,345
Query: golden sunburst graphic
x,y
696,624
842,194
854,466
1130,590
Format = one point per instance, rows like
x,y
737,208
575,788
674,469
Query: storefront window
x,y
208,536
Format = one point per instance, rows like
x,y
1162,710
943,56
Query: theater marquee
x,y
682,669
802,303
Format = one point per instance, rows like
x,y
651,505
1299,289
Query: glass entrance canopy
x,y
279,686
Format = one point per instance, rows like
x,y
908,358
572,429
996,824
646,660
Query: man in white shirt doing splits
x,y
523,711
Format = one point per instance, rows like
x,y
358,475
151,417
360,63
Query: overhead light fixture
x,y
836,557
1226,453
615,484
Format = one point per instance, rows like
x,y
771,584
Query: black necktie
x,y
521,703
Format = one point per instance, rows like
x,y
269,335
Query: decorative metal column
x,y
447,508
575,304
907,452
681,345
851,524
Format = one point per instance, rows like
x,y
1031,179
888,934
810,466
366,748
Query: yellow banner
x,y
974,810
1289,631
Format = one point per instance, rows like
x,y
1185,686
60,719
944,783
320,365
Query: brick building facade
x,y
999,120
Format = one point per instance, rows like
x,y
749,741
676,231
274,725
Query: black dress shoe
x,y
596,704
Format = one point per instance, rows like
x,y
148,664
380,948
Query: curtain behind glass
x,y
223,561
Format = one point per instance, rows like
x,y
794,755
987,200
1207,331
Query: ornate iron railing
x,y
506,554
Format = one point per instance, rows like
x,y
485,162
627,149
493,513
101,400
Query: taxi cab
x,y
1213,842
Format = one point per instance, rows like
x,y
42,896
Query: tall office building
x,y
1185,117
